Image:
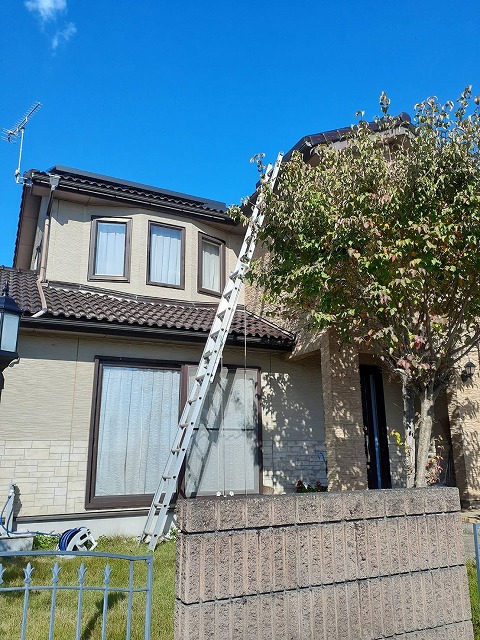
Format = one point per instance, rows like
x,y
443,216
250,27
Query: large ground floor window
x,y
224,451
135,414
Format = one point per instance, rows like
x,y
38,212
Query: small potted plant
x,y
303,487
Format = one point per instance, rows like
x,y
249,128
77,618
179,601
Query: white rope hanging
x,y
245,438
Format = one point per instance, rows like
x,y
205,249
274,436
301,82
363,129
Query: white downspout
x,y
54,181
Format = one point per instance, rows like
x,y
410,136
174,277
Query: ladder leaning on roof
x,y
207,368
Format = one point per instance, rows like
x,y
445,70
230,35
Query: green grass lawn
x,y
474,599
163,596
66,610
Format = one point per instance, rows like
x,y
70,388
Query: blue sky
x,y
180,95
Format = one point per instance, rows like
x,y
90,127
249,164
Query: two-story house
x,y
119,283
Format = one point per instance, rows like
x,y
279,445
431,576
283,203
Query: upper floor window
x,y
109,249
166,255
211,265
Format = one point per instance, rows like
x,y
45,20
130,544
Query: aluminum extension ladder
x,y
207,368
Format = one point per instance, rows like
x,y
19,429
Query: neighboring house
x,y
119,284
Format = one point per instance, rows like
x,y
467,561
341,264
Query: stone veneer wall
x,y
285,461
350,565
464,410
342,401
50,474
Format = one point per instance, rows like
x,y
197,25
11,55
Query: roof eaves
x,y
62,323
115,183
307,143
17,237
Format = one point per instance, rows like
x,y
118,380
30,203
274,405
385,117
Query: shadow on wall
x,y
343,415
293,445
466,441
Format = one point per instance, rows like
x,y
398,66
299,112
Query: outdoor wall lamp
x,y
468,370
10,314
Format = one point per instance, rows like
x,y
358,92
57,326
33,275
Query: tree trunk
x,y
424,438
409,429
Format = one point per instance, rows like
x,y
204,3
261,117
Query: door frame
x,y
375,427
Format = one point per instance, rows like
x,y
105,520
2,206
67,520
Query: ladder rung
x,y
177,449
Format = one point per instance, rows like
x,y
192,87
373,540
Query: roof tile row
x,y
73,301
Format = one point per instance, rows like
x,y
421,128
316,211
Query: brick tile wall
x,y
344,437
50,474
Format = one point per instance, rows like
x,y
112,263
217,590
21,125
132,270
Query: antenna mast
x,y
11,135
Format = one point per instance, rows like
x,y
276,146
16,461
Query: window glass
x,y
9,328
211,266
223,452
110,248
165,255
137,424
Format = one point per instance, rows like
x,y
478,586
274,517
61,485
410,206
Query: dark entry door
x,y
375,425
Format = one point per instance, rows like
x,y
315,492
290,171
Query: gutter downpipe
x,y
54,182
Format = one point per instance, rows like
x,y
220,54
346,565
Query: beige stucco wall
x,y
47,401
70,239
464,410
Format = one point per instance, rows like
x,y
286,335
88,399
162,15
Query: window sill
x,y
210,292
180,287
108,279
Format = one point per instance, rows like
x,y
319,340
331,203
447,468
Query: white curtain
x,y
165,255
223,453
110,248
138,421
210,266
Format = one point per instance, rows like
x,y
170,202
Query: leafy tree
x,y
380,241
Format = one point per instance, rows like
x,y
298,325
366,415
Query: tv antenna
x,y
18,131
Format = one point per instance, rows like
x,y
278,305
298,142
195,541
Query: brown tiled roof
x,y
307,143
79,302
94,183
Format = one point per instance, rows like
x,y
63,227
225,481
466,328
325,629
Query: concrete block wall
x,y
360,565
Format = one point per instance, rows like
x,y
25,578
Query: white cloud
x,y
46,9
62,36
49,11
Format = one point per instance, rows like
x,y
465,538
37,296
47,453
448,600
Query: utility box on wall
x,y
357,565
